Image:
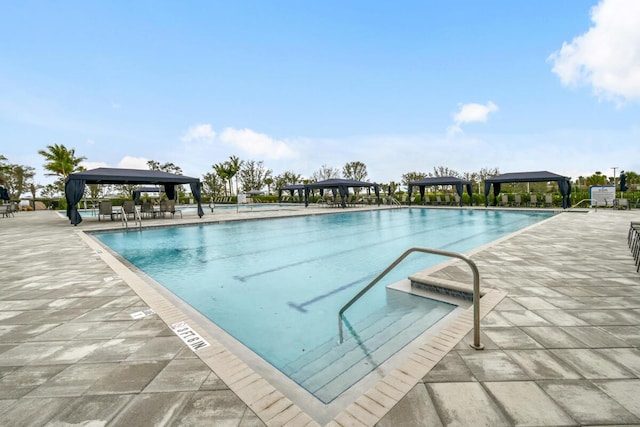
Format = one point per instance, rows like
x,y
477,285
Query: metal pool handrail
x,y
476,289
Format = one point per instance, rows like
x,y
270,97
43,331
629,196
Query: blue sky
x,y
401,86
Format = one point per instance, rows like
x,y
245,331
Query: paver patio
x,y
562,348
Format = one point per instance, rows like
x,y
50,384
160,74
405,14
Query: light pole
x,y
615,194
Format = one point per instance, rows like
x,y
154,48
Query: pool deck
x,y
561,348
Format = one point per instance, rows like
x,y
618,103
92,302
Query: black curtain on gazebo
x,y
4,194
73,192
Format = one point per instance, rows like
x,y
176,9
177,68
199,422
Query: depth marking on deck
x,y
189,336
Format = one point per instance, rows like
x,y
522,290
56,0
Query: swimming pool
x,y
276,285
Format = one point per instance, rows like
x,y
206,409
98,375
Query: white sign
x,y
140,314
189,336
602,195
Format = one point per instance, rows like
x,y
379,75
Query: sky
x,y
401,86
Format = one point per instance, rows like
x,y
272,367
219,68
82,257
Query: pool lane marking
x,y
301,307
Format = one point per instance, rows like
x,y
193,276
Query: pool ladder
x,y
476,289
136,217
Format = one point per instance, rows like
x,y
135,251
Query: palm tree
x,y
268,182
223,170
235,164
61,161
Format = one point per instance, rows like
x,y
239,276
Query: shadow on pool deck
x,y
561,349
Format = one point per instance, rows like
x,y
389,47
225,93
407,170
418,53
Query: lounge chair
x,y
517,200
504,200
456,200
438,200
548,200
533,200
105,208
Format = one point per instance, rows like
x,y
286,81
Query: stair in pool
x,y
331,368
443,286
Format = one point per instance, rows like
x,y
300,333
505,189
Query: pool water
x,y
277,285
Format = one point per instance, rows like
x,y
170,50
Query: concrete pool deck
x,y
562,348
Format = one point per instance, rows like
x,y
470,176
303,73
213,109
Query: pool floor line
x,y
271,405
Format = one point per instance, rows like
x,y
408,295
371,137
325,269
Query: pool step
x,y
395,302
444,286
331,368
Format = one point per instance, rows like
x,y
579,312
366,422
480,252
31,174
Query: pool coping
x,y
269,404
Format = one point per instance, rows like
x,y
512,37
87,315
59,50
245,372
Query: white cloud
x,y
607,57
470,113
93,165
257,144
199,133
129,162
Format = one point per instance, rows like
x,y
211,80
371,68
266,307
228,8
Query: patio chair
x,y
517,200
456,200
533,200
504,200
127,208
105,208
164,208
146,209
548,200
172,208
447,199
438,200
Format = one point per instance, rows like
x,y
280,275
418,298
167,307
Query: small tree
x,y
325,172
412,176
253,174
287,178
212,184
168,167
444,171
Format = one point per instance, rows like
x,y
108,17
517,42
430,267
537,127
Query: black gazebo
x,y
292,190
564,184
442,180
74,185
339,185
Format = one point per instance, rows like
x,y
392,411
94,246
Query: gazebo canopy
x,y
74,185
441,180
291,189
564,183
338,185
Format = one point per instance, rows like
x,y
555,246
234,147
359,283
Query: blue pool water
x,y
277,285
